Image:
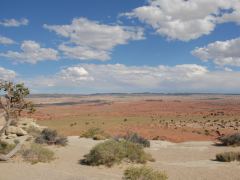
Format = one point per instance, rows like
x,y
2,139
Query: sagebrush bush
x,y
5,147
135,138
228,156
61,140
112,151
37,153
95,133
143,173
230,140
34,131
49,136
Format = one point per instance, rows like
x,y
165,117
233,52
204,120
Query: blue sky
x,y
91,46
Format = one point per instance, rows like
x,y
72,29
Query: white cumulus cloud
x,y
93,40
74,74
92,78
14,22
222,53
31,53
186,19
84,52
6,41
232,17
6,74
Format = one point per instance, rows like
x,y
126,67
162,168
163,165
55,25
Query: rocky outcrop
x,y
18,134
15,130
21,129
26,123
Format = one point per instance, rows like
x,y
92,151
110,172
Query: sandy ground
x,y
181,161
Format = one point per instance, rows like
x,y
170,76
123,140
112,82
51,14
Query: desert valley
x,y
183,130
119,90
178,118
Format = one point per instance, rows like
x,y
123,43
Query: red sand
x,y
191,115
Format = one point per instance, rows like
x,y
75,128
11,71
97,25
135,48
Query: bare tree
x,y
13,102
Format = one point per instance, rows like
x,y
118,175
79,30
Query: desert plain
x,y
182,129
177,118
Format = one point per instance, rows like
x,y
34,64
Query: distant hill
x,y
123,94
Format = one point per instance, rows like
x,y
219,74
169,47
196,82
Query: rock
x,y
3,136
15,130
23,125
33,124
11,136
26,123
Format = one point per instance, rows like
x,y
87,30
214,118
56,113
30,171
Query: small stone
x,y
3,136
11,136
15,130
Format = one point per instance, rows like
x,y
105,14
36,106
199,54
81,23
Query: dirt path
x,y
183,161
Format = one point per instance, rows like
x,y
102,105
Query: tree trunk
x,y
8,122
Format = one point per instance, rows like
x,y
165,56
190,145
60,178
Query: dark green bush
x,y
49,136
143,173
112,151
95,133
228,156
135,138
230,140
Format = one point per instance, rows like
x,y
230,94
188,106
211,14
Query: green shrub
x,y
37,153
231,140
135,153
112,151
228,156
5,147
143,173
16,141
49,136
95,133
135,138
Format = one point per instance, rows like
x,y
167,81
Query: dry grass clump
x,y
37,153
228,156
95,133
5,147
143,173
111,152
135,138
33,131
230,140
49,136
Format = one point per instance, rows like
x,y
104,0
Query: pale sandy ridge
x,y
182,161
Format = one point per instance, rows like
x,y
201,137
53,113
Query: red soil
x,y
189,115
